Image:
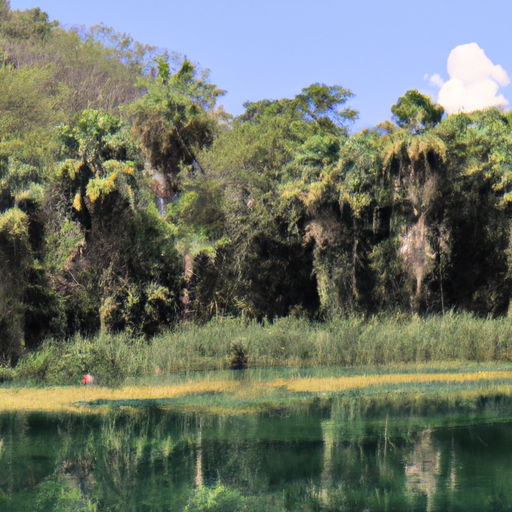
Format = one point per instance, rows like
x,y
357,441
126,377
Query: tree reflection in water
x,y
346,456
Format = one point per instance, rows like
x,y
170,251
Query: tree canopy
x,y
130,201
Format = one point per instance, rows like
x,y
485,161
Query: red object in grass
x,y
88,379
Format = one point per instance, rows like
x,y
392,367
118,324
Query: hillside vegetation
x,y
131,202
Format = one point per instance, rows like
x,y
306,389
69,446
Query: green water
x,y
332,456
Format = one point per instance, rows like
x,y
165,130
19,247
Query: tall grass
x,y
110,358
287,342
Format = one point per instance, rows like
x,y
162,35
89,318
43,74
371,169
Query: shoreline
x,y
236,396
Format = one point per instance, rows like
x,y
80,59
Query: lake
x,y
332,455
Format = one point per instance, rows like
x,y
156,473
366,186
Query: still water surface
x,y
315,457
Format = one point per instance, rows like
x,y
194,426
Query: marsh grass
x,y
238,396
285,343
110,357
292,342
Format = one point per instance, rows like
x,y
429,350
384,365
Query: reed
x,y
287,342
292,342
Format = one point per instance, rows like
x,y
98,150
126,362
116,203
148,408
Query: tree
x,y
175,119
15,260
477,210
416,112
415,155
265,264
110,253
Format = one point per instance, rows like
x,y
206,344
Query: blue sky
x,y
259,49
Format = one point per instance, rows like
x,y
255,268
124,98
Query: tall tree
x,y
111,255
265,250
175,119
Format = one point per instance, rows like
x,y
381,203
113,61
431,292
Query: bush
x,y
109,358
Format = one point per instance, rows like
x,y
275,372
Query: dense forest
x,y
130,201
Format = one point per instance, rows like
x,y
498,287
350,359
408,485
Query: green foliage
x,y
15,259
106,211
415,111
28,100
22,25
111,359
62,493
322,103
234,343
20,184
14,224
199,217
62,241
390,291
48,76
216,499
123,52
277,212
7,373
274,145
175,118
92,136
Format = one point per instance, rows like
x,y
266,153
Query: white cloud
x,y
436,80
474,81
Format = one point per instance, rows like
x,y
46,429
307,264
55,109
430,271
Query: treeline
x,y
129,201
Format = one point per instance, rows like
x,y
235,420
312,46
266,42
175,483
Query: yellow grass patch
x,y
65,399
332,384
71,399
